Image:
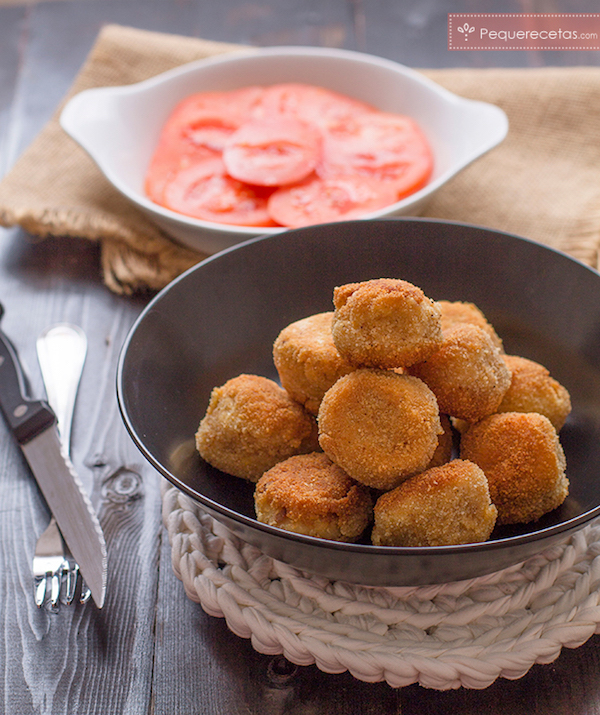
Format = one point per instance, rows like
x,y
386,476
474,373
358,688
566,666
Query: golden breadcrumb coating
x,y
307,360
443,451
309,494
251,424
442,506
523,461
384,384
458,312
467,374
384,323
533,390
379,426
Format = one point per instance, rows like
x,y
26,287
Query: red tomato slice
x,y
205,191
315,105
318,200
207,119
197,130
167,162
386,147
273,152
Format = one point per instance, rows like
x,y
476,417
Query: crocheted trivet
x,y
466,633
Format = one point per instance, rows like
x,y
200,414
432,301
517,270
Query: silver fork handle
x,y
61,353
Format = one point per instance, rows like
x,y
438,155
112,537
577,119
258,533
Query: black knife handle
x,y
26,417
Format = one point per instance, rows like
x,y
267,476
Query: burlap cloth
x,y
542,182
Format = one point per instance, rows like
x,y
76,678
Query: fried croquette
x,y
458,312
532,389
379,426
384,323
250,425
307,360
460,425
467,374
309,494
443,451
523,461
442,506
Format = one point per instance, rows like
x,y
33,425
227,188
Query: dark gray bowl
x,y
221,317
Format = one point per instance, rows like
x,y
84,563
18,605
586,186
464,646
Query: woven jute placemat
x,y
542,182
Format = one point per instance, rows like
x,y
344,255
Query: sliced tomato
x,y
331,157
207,119
309,103
205,191
273,151
197,130
167,162
317,200
385,147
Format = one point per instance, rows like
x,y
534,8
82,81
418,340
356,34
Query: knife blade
x,y
33,425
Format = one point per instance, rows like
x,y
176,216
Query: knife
x,y
33,425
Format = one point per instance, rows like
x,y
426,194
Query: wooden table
x,y
152,650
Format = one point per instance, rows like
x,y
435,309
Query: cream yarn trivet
x,y
466,633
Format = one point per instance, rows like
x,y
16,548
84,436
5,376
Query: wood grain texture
x,y
58,661
151,649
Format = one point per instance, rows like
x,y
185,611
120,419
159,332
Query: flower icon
x,y
466,29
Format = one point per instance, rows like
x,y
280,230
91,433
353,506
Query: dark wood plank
x,y
60,662
10,60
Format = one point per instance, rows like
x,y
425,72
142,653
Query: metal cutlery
x,y
33,425
61,351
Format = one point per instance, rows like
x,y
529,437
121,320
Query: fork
x,y
61,353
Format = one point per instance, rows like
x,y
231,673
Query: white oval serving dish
x,y
119,126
